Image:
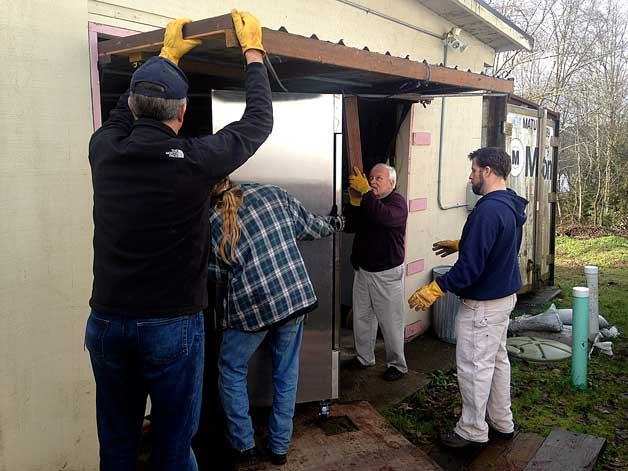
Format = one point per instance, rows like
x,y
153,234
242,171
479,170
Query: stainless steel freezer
x,y
303,155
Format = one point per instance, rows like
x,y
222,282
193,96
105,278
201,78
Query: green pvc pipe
x,y
579,338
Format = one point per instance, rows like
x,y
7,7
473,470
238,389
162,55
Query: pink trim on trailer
x,y
94,29
421,139
414,329
417,204
415,267
110,30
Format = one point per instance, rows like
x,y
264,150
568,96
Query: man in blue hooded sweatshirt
x,y
486,278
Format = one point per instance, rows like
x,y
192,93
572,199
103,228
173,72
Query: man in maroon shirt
x,y
379,220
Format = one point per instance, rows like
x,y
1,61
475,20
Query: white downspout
x,y
440,150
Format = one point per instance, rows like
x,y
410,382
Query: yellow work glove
x,y
355,198
446,247
425,297
175,47
359,183
248,30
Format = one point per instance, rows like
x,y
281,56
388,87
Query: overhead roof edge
x,y
519,36
484,22
319,53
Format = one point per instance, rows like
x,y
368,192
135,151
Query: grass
x,y
608,251
542,396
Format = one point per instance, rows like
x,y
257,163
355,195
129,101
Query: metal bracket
x,y
323,410
506,128
140,57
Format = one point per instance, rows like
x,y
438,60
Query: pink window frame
x,y
94,29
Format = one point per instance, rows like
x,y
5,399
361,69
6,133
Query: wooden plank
x,y
496,118
214,70
564,450
290,45
153,40
511,455
140,56
539,198
352,134
518,100
313,50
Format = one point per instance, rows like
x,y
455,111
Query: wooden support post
x,y
352,134
496,118
540,202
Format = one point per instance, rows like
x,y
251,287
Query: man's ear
x,y
181,113
129,102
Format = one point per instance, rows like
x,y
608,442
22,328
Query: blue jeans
x,y
236,350
133,358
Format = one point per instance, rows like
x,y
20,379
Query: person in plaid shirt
x,y
253,250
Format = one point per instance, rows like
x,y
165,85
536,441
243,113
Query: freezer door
x,y
299,157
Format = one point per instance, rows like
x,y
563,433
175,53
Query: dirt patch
x,y
587,232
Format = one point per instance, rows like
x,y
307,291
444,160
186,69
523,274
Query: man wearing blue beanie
x,y
145,332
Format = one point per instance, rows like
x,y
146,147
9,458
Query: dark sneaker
x,y
277,459
356,364
453,440
494,433
246,457
392,374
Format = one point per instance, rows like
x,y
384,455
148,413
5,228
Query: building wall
x,y
428,223
46,387
330,20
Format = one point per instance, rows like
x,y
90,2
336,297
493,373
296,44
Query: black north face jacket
x,y
151,188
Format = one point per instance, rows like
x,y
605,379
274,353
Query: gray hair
x,y
392,173
160,109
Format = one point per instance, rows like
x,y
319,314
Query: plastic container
x,y
444,310
591,273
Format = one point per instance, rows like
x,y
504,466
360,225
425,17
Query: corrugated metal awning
x,y
306,64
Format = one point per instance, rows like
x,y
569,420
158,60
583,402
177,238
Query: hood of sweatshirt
x,y
516,203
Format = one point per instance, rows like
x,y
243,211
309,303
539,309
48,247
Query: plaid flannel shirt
x,y
268,282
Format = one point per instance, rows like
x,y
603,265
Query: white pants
x,y
378,298
483,367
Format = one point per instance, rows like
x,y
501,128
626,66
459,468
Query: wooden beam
x,y
190,66
140,56
352,134
519,100
322,52
565,450
293,70
512,455
315,51
497,115
153,40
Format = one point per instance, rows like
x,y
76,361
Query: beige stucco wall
x,y
46,389
328,19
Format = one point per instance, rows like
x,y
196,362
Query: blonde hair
x,y
227,198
